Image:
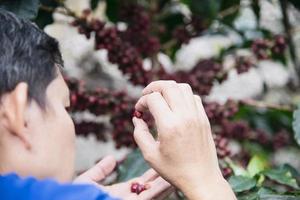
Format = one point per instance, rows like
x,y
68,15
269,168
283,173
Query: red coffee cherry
x,y
138,188
138,114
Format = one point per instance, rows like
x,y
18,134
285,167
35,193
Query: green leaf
x,y
265,119
256,9
248,196
112,10
241,183
45,17
170,21
207,9
264,191
27,9
278,197
237,170
256,165
282,175
94,4
296,125
231,9
296,3
256,149
132,167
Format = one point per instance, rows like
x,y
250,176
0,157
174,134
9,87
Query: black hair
x,y
27,54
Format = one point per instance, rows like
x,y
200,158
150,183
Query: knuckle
x,y
154,95
171,82
186,86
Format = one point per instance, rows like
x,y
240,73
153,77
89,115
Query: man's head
x,y
36,132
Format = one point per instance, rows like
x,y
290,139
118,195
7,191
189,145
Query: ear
x,y
14,106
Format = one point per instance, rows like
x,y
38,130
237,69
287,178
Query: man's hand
x,y
158,188
184,152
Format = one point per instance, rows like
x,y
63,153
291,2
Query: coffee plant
x,y
259,129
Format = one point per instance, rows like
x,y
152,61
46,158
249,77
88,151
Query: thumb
x,y
99,172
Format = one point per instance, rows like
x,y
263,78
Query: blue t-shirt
x,y
12,187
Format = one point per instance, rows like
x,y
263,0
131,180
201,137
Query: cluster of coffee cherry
x,y
243,64
224,126
120,51
138,31
128,47
266,48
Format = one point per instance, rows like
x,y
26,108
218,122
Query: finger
x,y
156,188
188,95
143,137
101,170
170,92
149,175
157,106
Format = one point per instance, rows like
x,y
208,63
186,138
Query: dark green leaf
x,y
231,10
278,197
296,3
112,9
282,175
296,125
94,4
132,167
206,9
169,22
265,191
256,9
248,196
294,171
280,58
269,120
43,18
27,9
172,51
172,20
49,3
242,183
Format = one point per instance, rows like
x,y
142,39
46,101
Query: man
x,y
37,134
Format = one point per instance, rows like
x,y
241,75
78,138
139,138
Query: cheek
x,y
67,127
62,131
